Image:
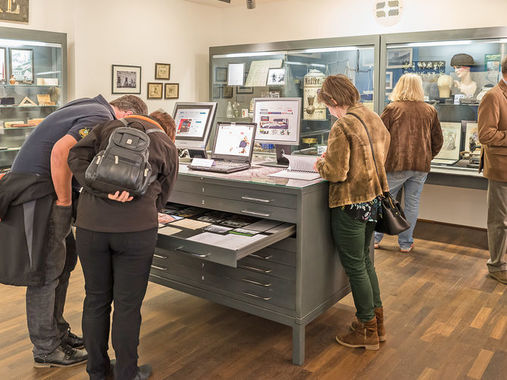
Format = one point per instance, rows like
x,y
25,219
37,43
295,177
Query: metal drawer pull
x,y
255,269
199,255
261,257
159,268
256,296
255,213
256,282
244,197
160,257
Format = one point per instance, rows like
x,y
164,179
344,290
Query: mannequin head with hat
x,y
461,63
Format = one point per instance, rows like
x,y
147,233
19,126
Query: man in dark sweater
x,y
45,153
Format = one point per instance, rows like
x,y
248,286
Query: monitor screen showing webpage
x,y
277,120
234,140
191,122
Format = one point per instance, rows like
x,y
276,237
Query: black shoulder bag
x,y
392,220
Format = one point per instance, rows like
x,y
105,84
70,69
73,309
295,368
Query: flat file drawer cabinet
x,y
290,277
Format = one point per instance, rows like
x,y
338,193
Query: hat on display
x,y
462,59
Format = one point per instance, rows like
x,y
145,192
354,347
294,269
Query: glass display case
x,y
32,84
457,68
292,69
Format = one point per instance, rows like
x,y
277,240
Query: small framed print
x,y
172,91
452,141
154,90
227,92
126,79
399,57
220,74
22,65
389,80
276,77
162,71
244,90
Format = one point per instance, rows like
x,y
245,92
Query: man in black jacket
x,y
45,154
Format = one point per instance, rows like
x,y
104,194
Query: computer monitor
x,y
234,141
193,125
278,120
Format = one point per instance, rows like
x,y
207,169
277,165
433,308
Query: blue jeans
x,y
412,183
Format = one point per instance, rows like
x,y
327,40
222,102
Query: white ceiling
x,y
234,3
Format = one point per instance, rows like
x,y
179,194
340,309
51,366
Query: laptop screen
x,y
234,141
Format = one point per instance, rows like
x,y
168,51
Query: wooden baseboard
x,y
452,225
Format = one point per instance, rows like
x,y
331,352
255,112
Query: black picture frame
x,y
125,79
221,74
244,90
162,71
171,90
19,67
154,90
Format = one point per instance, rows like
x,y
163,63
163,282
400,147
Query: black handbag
x,y
392,219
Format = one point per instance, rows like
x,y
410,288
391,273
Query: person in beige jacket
x,y
493,137
357,183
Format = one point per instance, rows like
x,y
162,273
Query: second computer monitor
x,y
278,120
193,125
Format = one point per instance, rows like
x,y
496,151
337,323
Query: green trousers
x,y
352,239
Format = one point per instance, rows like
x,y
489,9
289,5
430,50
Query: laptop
x,y
232,148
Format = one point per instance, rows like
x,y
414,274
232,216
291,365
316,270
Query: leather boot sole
x,y
371,347
48,365
498,278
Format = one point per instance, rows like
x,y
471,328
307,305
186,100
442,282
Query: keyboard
x,y
222,167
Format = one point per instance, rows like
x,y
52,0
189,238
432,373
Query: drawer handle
x,y
255,213
198,255
255,269
159,268
256,282
261,257
160,257
244,197
256,296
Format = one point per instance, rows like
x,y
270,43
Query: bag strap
x,y
153,130
369,139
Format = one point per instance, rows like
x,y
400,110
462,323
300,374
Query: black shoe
x,y
72,340
63,356
143,372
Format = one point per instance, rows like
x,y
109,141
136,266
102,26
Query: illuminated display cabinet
x,y
33,81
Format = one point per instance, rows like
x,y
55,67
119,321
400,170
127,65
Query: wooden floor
x,y
445,320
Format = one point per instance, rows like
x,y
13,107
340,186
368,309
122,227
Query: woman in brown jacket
x,y
357,182
416,137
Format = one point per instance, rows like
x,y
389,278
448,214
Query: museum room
x,y
253,189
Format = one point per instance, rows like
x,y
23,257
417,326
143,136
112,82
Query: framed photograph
x,y
172,91
399,58
154,90
389,80
126,79
162,71
22,65
244,90
471,136
220,74
16,10
452,139
227,92
276,77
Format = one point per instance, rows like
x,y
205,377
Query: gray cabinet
x,y
291,278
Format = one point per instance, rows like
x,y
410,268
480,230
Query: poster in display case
x,y
399,57
22,65
452,139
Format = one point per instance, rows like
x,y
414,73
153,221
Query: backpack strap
x,y
125,122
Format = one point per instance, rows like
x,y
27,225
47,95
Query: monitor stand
x,y
281,161
197,153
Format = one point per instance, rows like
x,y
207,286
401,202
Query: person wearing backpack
x,y
116,237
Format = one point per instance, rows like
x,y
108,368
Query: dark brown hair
x,y
504,66
166,121
131,103
340,89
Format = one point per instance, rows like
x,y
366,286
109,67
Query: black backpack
x,y
123,165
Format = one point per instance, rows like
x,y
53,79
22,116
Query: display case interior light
x,y
331,49
433,43
20,43
304,64
250,54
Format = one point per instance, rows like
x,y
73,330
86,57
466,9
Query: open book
x,y
300,167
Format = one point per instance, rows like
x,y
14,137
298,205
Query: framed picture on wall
x,y
3,68
389,80
172,91
399,57
22,65
126,79
154,90
162,71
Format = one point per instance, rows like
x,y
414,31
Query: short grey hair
x,y
131,103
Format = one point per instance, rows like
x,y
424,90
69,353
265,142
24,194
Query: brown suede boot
x,y
364,336
381,330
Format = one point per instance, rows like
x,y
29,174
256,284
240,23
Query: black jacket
x,y
25,208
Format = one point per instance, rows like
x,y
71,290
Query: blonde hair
x,y
409,88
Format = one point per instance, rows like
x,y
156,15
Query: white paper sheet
x,y
305,176
190,224
229,241
262,225
258,72
236,74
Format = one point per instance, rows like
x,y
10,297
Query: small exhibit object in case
x,y
27,102
47,81
44,100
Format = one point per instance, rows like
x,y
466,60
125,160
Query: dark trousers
x,y
116,267
352,238
45,303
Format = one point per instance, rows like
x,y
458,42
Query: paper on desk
x,y
301,163
190,224
168,231
306,176
258,72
